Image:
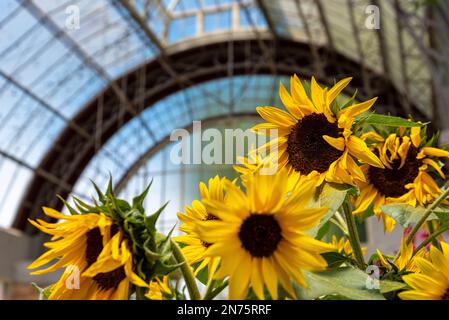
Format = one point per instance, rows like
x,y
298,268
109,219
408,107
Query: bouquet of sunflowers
x,y
274,236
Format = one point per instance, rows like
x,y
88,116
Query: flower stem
x,y
353,236
213,293
430,238
210,283
426,214
140,295
431,231
187,273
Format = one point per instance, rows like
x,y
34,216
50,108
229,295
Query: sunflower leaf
x,y
390,286
150,221
44,293
138,201
347,282
406,215
331,197
390,121
203,274
334,259
72,210
100,194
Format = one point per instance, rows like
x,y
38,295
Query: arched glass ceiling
x,y
238,95
50,70
342,25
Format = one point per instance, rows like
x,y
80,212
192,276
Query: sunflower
x,y
194,246
431,281
406,177
159,289
343,245
260,237
255,163
406,259
92,247
312,139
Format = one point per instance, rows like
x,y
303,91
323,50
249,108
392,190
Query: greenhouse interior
x,y
92,92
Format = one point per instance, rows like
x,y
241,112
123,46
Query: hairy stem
x,y
187,272
354,236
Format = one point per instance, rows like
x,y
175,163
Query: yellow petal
x,y
357,147
337,143
357,109
435,152
337,88
415,135
435,166
276,116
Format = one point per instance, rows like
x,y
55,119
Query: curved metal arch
x,y
197,62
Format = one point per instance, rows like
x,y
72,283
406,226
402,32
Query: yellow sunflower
x,y
343,245
405,261
405,178
255,163
158,289
260,237
431,281
314,141
195,247
95,254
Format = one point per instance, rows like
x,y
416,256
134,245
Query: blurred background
x,y
92,87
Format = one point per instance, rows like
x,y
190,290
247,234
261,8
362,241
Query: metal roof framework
x,y
66,93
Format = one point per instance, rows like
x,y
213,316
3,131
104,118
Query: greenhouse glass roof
x,y
56,56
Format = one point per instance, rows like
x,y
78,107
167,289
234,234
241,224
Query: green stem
x,y
431,231
431,238
426,214
213,293
140,295
354,236
187,272
210,284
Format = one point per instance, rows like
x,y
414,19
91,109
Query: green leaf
x,y
350,101
346,282
150,221
100,194
72,210
390,121
334,259
332,197
405,214
323,231
138,201
44,293
390,286
203,274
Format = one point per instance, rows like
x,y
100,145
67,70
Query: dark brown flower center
x,y
392,182
211,217
94,246
260,235
206,244
445,296
110,280
306,148
208,218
